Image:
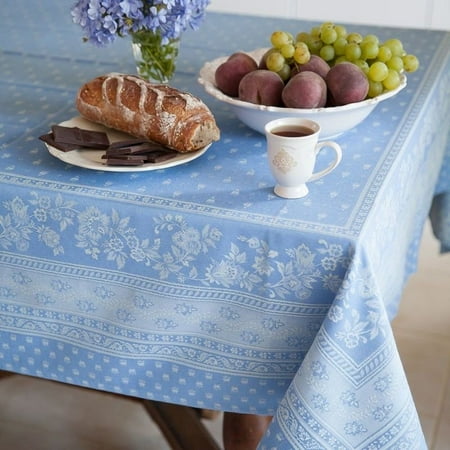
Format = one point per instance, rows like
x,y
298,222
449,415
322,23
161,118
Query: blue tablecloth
x,y
196,284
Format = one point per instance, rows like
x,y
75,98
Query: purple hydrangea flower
x,y
102,21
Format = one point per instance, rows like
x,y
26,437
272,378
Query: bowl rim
x,y
206,78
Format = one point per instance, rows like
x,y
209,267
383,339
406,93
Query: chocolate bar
x,y
129,152
82,138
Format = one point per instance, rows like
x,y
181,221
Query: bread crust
x,y
156,112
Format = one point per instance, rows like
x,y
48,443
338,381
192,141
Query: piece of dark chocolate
x,y
142,148
125,157
50,140
157,157
152,157
128,143
123,162
82,138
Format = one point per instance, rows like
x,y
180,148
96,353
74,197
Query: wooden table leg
x,y
181,426
243,431
4,374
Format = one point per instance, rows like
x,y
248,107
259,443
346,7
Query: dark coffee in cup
x,y
292,131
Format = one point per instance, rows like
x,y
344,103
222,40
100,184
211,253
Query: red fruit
x,y
347,83
230,73
305,90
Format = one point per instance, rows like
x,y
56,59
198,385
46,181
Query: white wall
x,y
433,14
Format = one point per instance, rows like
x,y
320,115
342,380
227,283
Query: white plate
x,y
92,159
333,120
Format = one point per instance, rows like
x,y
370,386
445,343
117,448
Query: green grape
x,y
326,25
314,44
352,51
339,46
328,35
287,50
375,88
369,49
279,38
396,46
291,37
410,63
384,53
371,38
392,81
354,38
378,71
301,53
341,31
303,36
327,53
363,65
285,72
315,31
340,59
395,63
275,61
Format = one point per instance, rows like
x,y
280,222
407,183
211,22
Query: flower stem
x,y
155,61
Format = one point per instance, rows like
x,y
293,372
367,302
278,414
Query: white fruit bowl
x,y
333,120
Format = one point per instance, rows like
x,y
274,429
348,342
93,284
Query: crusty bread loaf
x,y
155,112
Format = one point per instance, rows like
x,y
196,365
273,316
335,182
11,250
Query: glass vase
x,y
155,61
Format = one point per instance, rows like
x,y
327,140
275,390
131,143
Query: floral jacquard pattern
x,y
356,324
173,249
41,216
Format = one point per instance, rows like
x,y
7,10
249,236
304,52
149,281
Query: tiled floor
x,y
40,415
422,330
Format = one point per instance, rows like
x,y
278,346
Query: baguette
x,y
155,112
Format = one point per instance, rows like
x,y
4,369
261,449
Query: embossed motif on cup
x,y
283,161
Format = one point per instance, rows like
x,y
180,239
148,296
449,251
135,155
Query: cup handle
x,y
337,149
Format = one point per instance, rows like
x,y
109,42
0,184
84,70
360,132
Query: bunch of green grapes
x,y
382,62
285,53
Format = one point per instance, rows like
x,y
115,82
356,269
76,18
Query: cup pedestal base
x,y
291,191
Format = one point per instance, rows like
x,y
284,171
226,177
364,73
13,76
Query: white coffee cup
x,y
292,148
